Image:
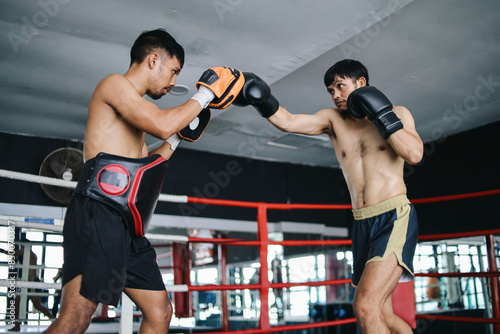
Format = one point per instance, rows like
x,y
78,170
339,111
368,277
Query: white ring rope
x,y
37,179
72,184
177,288
59,229
29,284
173,198
35,226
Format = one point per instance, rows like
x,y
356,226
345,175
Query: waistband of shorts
x,y
379,208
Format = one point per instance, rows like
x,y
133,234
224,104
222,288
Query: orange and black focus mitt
x,y
224,82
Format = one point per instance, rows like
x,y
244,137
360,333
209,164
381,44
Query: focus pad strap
x,y
195,129
225,82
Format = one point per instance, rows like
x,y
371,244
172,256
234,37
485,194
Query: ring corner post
x,y
262,233
495,297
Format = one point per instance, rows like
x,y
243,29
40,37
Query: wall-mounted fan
x,y
64,163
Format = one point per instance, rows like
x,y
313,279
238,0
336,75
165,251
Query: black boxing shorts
x,y
98,247
131,186
379,230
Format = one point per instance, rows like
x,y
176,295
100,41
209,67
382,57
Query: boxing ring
x,y
262,242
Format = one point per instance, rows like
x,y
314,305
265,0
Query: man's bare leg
x,y
156,309
395,323
372,297
76,310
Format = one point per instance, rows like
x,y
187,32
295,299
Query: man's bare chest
x,y
359,143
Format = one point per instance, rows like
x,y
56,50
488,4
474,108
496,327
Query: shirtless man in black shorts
x,y
105,250
372,140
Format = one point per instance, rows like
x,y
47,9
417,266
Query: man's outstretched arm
x,y
257,93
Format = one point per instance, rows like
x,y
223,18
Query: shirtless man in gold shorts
x,y
372,140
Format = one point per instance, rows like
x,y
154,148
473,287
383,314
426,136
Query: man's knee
x,y
162,313
76,315
68,323
165,312
365,307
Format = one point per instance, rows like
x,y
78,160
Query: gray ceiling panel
x,y
438,58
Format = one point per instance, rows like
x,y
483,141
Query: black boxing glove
x,y
370,102
257,93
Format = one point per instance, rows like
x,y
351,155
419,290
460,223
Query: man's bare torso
x,y
107,131
372,170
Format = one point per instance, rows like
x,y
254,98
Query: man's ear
x,y
361,82
153,59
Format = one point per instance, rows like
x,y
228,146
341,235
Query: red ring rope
x,y
218,287
242,242
458,319
284,206
456,197
457,235
460,274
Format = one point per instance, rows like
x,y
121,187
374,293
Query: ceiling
x,y
440,59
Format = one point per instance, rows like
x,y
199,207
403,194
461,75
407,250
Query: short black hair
x,y
149,41
346,68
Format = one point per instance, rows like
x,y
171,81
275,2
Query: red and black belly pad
x,y
132,186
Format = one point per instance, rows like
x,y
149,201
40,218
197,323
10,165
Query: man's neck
x,y
136,78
